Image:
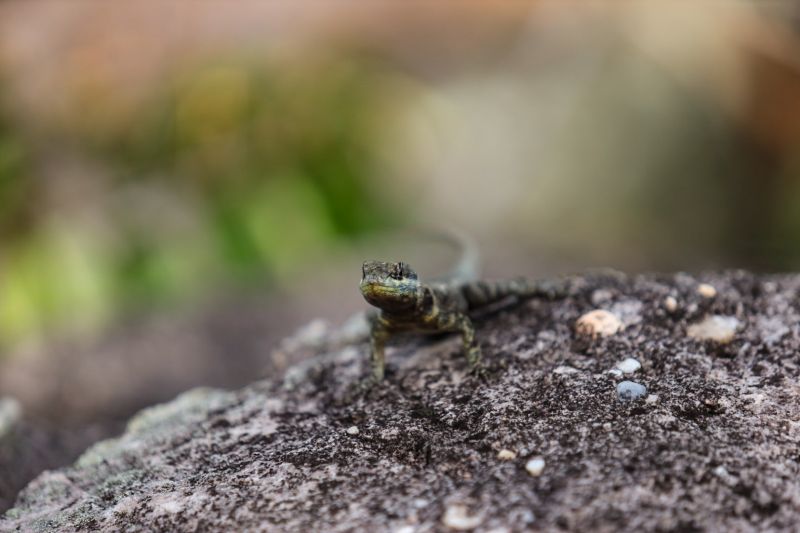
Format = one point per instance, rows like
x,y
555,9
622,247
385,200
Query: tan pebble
x,y
535,466
599,322
671,304
506,455
457,517
706,291
715,328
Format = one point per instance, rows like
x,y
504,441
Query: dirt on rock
x,y
713,444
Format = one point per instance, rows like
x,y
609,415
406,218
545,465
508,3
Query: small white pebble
x,y
506,455
716,328
671,304
352,430
722,473
405,529
457,517
535,466
565,370
599,322
615,372
629,365
651,398
706,291
390,433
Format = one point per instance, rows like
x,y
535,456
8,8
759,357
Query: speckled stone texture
x,y
714,445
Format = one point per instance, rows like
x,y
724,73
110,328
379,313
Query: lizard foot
x,y
367,384
479,371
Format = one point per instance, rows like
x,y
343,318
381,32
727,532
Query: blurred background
x,y
184,185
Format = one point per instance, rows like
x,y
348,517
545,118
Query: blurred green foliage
x,y
229,171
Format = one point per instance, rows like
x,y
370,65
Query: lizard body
x,y
406,305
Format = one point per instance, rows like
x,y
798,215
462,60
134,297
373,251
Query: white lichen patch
x,y
771,329
390,433
167,503
124,507
629,312
598,323
457,517
717,328
535,466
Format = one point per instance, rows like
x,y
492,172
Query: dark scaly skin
x,y
407,305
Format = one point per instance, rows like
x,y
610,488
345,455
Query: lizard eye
x,y
397,272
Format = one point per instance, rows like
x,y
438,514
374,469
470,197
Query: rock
x,y
274,458
717,328
352,430
629,390
670,304
535,466
598,323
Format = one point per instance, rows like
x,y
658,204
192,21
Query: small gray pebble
x,y
628,390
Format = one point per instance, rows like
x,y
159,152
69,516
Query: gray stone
x,y
630,390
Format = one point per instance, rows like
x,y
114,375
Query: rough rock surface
x,y
715,445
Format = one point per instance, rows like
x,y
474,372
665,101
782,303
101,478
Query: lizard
x,y
407,305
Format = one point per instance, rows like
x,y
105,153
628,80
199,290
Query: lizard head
x,y
389,286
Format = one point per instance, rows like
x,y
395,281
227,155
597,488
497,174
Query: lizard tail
x,y
467,267
482,293
469,263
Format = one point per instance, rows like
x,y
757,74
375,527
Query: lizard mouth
x,y
380,294
371,288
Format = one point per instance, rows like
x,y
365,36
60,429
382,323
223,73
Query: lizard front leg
x,y
471,348
377,344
